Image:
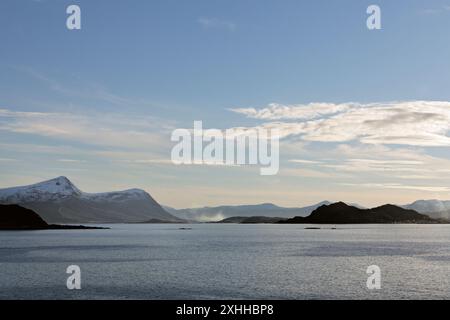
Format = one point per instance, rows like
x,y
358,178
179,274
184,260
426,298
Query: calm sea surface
x,y
217,261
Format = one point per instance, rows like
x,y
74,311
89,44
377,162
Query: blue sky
x,y
98,104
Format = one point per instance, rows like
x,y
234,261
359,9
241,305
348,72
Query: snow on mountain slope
x,y
116,195
53,189
61,188
60,201
434,208
427,206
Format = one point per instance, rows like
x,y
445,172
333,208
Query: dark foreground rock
x,y
15,217
254,219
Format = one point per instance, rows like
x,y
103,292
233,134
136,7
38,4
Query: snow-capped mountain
x,y
60,201
433,208
51,190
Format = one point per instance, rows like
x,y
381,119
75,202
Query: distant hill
x,y
15,217
60,201
214,214
255,219
433,208
341,213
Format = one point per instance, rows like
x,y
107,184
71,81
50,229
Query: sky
x,y
363,114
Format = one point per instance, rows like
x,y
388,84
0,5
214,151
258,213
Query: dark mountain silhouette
x,y
341,213
15,217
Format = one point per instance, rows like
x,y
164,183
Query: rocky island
x,y
341,213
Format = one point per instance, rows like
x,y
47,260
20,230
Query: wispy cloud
x,y
276,111
92,129
81,89
417,123
375,162
170,162
436,10
305,161
214,23
400,186
72,160
304,173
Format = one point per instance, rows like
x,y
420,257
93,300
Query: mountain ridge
x,y
431,207
341,213
58,200
54,189
218,213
